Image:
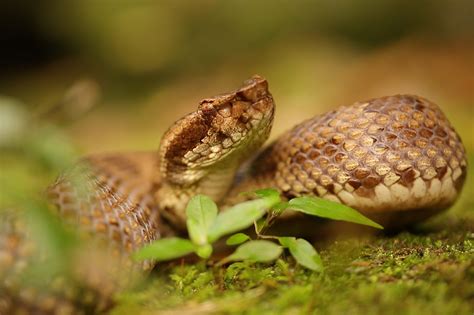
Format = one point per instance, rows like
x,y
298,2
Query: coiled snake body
x,y
396,159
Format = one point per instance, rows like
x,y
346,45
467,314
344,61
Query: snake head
x,y
238,121
251,91
225,128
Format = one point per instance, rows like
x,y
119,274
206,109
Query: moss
x,y
429,271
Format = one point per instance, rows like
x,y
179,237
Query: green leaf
x,y
239,217
204,251
256,251
268,193
280,207
48,230
303,252
201,212
237,239
53,240
286,241
330,210
260,224
165,249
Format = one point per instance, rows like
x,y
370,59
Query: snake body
x,y
393,158
396,159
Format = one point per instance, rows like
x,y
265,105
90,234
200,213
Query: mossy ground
x,y
430,272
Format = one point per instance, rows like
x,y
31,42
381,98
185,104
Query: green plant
x,y
206,225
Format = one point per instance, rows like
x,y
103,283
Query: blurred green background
x,y
146,63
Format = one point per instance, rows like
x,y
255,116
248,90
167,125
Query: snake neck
x,y
173,197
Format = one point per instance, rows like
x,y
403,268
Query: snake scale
x,y
396,159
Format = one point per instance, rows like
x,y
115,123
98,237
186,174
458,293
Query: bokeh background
x,y
136,66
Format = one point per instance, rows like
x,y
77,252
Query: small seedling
x,y
206,225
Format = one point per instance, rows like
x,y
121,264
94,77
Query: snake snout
x,y
254,89
238,114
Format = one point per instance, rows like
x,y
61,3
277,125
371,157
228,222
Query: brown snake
x,y
396,159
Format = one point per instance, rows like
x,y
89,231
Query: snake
x,y
396,159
